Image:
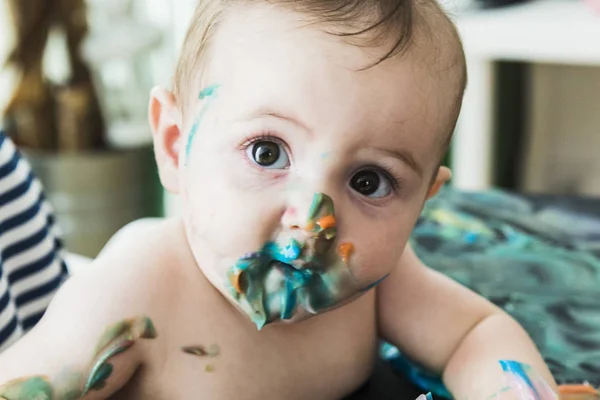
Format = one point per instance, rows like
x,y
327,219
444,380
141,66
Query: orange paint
x,y
326,222
577,389
310,227
345,250
236,282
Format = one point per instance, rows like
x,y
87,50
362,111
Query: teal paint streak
x,y
314,280
209,94
538,261
375,284
517,370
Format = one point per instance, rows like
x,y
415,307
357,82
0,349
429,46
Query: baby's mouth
x,y
297,269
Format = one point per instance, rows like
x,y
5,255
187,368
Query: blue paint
x,y
209,93
429,396
517,369
308,280
289,300
256,267
285,254
471,237
374,284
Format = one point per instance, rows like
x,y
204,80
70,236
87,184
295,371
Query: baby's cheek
x,y
370,265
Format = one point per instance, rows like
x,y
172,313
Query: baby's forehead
x,y
268,58
420,26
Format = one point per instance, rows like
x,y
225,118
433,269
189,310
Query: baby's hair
x,y
399,24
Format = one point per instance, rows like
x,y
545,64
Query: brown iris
x,y
266,154
366,182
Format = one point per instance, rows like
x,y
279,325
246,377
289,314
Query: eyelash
x,y
395,180
264,137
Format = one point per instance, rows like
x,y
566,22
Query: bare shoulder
x,y
132,271
85,341
142,255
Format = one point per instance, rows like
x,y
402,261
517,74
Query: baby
x,y
304,137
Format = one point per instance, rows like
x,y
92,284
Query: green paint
x,y
310,275
67,385
322,205
537,258
102,369
34,388
209,93
112,333
98,378
201,351
115,340
143,328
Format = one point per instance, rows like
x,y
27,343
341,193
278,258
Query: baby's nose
x,y
311,214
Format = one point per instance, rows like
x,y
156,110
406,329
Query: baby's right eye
x,y
268,154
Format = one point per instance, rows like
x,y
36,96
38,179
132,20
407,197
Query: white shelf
x,y
542,31
554,31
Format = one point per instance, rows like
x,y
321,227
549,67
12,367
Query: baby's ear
x,y
443,175
165,122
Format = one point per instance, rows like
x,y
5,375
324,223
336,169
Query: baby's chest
x,y
322,359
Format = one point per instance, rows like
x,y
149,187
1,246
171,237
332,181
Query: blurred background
x,y
75,78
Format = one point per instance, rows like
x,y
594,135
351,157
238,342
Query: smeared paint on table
x,y
539,263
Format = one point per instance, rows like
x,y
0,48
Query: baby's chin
x,y
299,314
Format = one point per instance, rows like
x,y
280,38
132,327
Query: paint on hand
x,y
117,339
207,95
37,387
285,274
524,383
68,386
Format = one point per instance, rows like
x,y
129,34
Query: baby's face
x,y
301,176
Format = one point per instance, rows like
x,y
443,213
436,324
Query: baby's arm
x,y
84,346
452,331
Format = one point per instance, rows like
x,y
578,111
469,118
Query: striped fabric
x,y
31,266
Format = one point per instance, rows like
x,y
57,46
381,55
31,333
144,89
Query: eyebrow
x,y
405,157
269,112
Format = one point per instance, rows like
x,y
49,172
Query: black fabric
x,y
386,384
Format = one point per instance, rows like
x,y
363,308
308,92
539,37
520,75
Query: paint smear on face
x,y
374,284
272,283
207,95
523,383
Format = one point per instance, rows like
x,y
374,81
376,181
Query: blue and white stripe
x,y
31,255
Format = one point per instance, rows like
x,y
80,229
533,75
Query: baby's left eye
x,y
268,154
371,183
